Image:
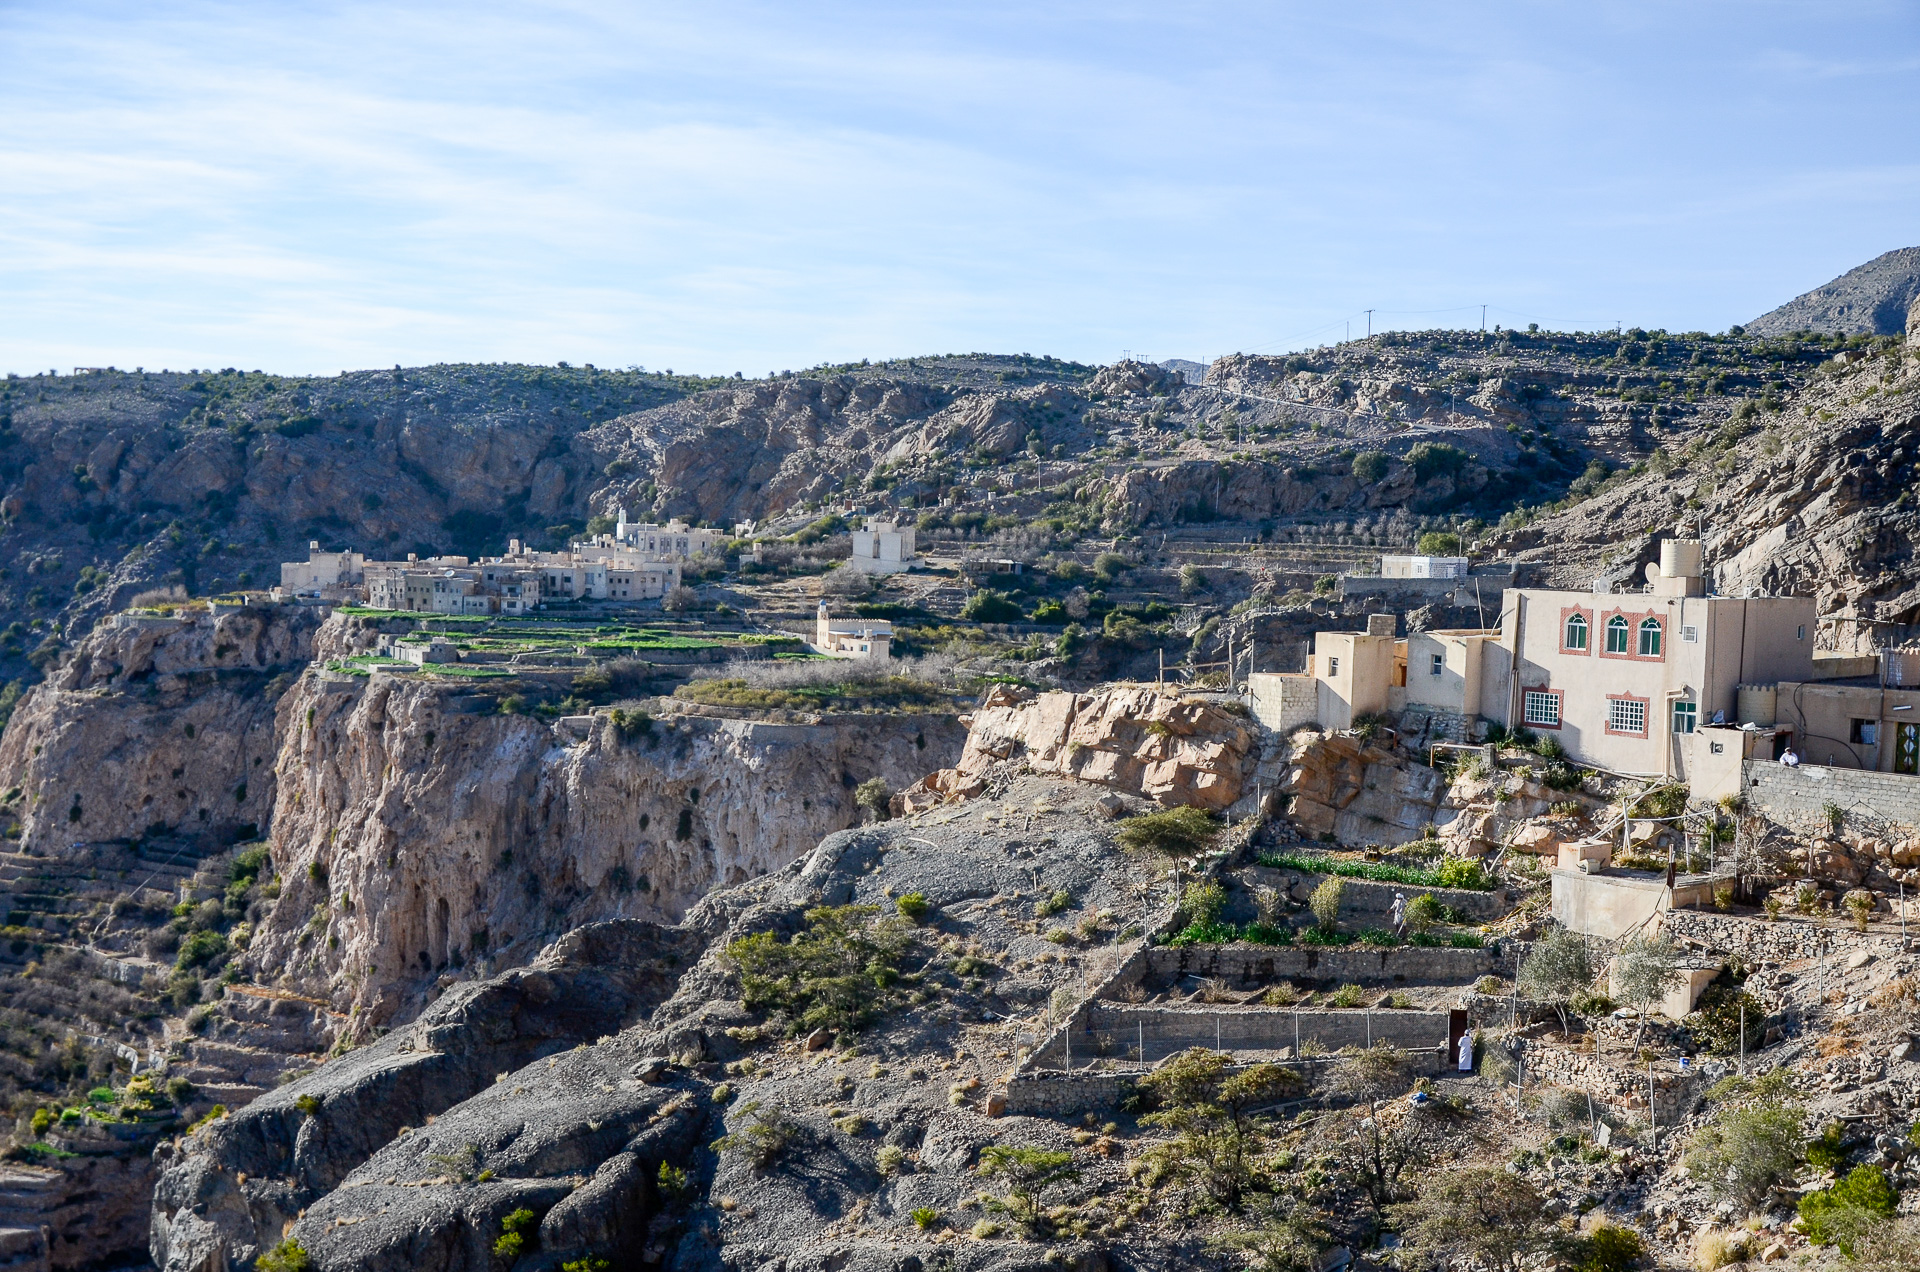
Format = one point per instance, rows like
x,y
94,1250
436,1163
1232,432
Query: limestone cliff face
x,y
421,833
155,727
1134,739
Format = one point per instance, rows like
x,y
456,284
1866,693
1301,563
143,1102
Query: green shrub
x,y
987,606
591,1263
1203,901
1742,1153
1267,934
1833,1216
42,1122
762,1134
1325,903
1423,913
835,973
1369,466
1457,873
1609,1248
1348,995
1203,934
1378,937
1053,904
288,1256
309,1105
924,1217
514,1230
913,906
1173,832
1827,1151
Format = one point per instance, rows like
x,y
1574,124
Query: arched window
x,y
1577,632
1649,638
1616,635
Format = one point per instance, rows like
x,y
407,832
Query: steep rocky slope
x,y
1874,299
581,1137
158,728
420,829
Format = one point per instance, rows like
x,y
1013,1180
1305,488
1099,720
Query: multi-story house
x,y
1623,680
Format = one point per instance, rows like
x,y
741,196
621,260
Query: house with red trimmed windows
x,y
1623,680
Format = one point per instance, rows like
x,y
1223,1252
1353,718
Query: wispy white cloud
x,y
738,186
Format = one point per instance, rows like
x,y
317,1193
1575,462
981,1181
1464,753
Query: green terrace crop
x,y
1449,874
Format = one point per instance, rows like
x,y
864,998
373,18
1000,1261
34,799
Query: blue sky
x,y
721,187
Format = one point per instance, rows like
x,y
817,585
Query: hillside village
x,y
1391,806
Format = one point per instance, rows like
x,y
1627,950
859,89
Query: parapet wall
x,y
1798,796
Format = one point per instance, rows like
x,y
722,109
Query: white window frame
x,y
1437,664
1530,714
1333,666
1690,634
1618,623
1645,628
1620,710
1576,622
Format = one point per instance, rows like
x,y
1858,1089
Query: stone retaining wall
x,y
1109,1029
1781,941
1244,966
1797,796
1056,1093
1615,1085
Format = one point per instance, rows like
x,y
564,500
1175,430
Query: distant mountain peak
x,y
1871,299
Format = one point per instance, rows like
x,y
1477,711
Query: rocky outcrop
x,y
231,1188
389,1160
1134,739
156,727
1358,793
423,832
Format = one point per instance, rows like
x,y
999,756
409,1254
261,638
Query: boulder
x,y
1537,838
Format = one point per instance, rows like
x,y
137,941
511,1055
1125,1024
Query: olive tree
x,y
1558,968
1481,1213
1643,971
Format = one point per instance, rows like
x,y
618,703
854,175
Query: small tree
x,y
1438,543
1423,914
1288,1240
1210,1111
874,796
1557,969
1325,902
1743,1152
1173,833
762,1136
1643,971
1481,1213
680,597
1028,1172
1376,1155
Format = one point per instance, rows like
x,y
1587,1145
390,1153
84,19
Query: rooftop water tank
x,y
1680,558
1756,704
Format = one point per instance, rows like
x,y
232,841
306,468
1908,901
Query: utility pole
x,y
1483,320
1369,324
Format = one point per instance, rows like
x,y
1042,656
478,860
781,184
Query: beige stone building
x,y
852,637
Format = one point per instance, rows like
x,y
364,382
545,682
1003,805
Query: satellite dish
x,y
1653,571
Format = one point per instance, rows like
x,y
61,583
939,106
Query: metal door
x,y
1906,748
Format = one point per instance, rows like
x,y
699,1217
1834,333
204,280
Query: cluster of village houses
x,y
1665,680
638,561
